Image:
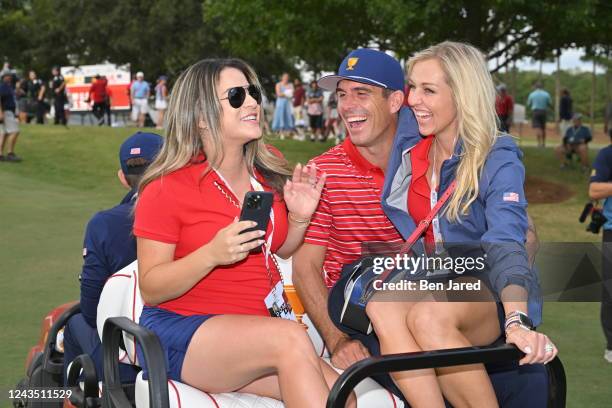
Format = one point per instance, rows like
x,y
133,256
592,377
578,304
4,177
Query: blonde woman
x,y
453,136
207,295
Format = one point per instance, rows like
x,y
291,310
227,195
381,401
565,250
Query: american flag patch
x,y
511,197
135,150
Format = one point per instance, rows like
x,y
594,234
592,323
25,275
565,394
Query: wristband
x,y
297,220
518,318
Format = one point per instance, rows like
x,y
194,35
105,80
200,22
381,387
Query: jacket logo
x,y
351,63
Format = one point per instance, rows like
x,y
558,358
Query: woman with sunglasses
x,y
209,297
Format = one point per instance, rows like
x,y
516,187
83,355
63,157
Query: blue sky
x,y
570,59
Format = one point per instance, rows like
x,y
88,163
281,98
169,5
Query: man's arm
x,y
308,281
41,92
95,270
600,184
600,190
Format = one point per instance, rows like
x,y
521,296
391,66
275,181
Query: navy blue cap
x,y
139,145
370,67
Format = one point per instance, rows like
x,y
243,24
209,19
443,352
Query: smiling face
x,y
431,99
367,113
238,124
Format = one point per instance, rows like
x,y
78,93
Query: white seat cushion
x,y
121,297
184,396
369,395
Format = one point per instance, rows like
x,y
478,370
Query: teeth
x,y
356,119
250,117
422,114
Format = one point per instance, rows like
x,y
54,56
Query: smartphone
x,y
256,207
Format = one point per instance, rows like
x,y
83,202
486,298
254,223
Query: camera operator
x,y
600,187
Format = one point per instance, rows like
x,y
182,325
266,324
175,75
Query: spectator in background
x,y
139,95
108,102
600,188
109,246
575,140
22,100
35,91
9,126
565,112
608,119
283,117
299,97
161,100
98,95
331,117
58,86
504,107
539,101
314,103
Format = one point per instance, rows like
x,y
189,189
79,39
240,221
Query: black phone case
x,y
256,207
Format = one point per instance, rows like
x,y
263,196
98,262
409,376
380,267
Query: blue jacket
x,y
496,219
109,245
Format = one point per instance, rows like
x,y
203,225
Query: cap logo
x,y
351,63
135,150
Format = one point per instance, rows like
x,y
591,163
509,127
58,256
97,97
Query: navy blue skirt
x,y
175,332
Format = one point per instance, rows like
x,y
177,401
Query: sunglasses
x,y
237,95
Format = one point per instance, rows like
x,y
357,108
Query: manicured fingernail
x,y
528,350
262,232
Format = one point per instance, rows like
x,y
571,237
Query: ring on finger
x,y
549,348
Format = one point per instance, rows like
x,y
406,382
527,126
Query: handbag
x,y
358,287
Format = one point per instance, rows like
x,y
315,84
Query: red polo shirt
x,y
187,209
98,91
419,204
503,105
349,212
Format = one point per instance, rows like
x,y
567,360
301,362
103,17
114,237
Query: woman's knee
x,y
387,317
431,324
291,341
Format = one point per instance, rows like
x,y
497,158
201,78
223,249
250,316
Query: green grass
x,y
67,175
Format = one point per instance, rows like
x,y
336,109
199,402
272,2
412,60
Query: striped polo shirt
x,y
349,212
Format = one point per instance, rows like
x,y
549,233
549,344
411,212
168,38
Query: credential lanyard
x,y
435,222
256,185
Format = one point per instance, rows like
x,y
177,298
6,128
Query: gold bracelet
x,y
297,220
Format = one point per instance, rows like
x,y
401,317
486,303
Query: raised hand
x,y
303,191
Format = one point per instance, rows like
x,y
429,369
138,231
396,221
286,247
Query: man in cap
x,y
504,107
139,95
9,126
369,87
109,246
576,141
98,95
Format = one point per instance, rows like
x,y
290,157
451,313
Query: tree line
x,y
164,36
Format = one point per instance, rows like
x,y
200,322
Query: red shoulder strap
x,y
422,227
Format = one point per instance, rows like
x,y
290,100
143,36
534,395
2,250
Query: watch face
x,y
525,320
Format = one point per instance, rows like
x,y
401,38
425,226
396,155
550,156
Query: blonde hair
x,y
194,100
473,92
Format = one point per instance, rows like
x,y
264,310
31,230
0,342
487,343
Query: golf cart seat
x,y
118,313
